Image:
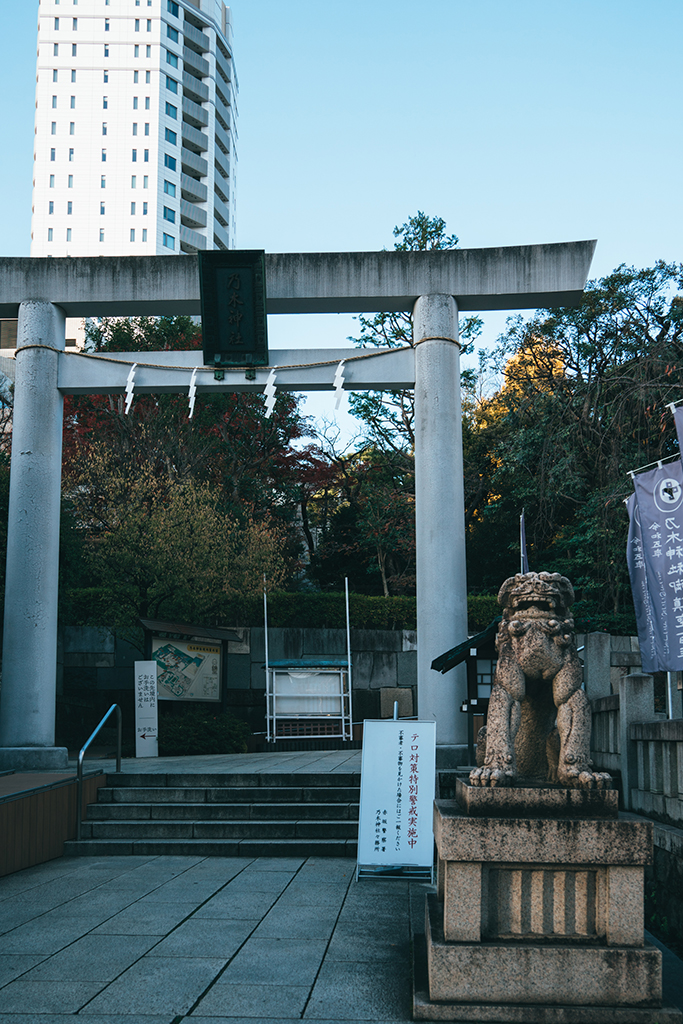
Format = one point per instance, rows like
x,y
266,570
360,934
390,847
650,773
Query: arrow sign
x,y
146,714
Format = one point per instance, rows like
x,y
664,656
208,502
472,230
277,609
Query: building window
x,y
171,84
172,33
132,234
169,241
144,234
106,49
70,181
73,75
53,128
171,136
72,103
148,77
169,161
104,156
172,8
104,127
101,234
105,102
106,76
133,181
49,234
74,49
74,25
146,156
69,208
148,51
52,154
135,103
144,209
52,181
54,79
72,128
171,59
132,209
169,214
172,111
145,181
169,188
54,102
136,50
103,181
146,127
135,127
146,102
55,49
51,207
149,24
137,24
134,156
106,24
68,234
135,77
56,24
71,155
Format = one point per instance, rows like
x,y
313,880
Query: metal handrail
x,y
81,756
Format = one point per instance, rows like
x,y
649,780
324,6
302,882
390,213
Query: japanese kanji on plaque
x,y
233,296
397,794
146,709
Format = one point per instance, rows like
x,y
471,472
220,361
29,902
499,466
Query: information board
x,y
187,669
146,710
397,795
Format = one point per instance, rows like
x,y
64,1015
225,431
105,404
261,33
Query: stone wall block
x,y
596,664
462,897
625,909
406,668
329,643
375,640
239,672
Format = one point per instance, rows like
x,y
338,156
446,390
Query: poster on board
x,y
187,669
397,796
146,710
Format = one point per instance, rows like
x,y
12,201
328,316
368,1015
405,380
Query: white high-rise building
x,y
135,128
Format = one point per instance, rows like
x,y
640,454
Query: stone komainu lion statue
x,y
537,684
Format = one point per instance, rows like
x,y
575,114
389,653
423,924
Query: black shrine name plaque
x,y
233,295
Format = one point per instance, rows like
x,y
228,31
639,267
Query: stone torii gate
x,y
432,285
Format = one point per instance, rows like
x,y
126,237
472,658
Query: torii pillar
x,y
434,285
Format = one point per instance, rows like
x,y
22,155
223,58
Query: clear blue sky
x,y
518,122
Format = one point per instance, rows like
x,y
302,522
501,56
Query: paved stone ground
x,y
164,939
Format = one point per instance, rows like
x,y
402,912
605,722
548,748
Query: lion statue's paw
x,y
492,775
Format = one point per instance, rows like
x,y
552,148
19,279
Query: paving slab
x,y
276,962
84,1018
157,919
170,985
360,991
12,965
254,1002
261,881
299,922
203,937
47,996
228,905
93,958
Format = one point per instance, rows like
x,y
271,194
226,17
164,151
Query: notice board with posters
x,y
188,669
398,774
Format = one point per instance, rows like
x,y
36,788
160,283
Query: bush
x,y
200,729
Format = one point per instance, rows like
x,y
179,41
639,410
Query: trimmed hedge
x,y
198,729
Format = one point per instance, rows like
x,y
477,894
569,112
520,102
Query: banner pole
x,y
348,656
270,706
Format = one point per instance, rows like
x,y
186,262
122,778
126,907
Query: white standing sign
x,y
146,714
397,795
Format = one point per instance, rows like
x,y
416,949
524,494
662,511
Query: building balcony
x,y
195,115
192,241
195,89
222,164
223,67
197,64
196,40
220,235
193,165
195,140
222,138
192,216
193,190
221,210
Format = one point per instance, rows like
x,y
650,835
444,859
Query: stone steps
x,y
278,814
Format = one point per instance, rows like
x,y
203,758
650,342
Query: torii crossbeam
x,y
432,285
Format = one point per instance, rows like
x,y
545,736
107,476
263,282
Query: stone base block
x,y
34,759
535,801
528,974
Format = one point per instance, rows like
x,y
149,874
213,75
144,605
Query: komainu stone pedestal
x,y
539,919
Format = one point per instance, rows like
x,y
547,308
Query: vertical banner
x,y
397,795
635,559
659,493
678,420
146,713
523,560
